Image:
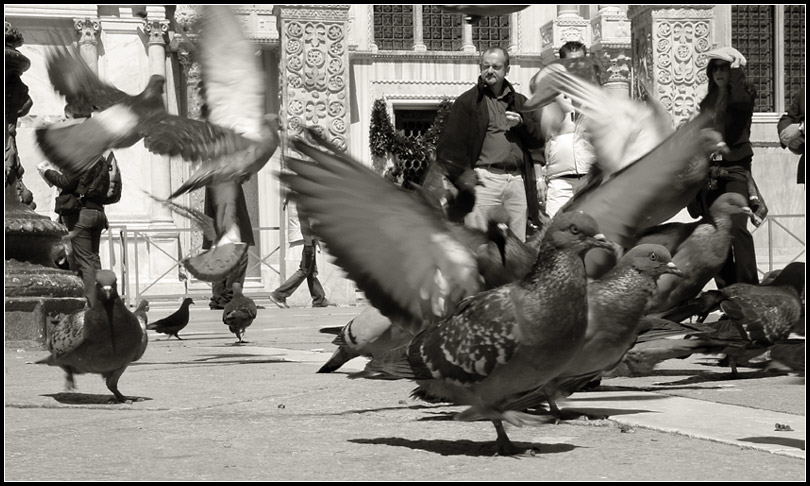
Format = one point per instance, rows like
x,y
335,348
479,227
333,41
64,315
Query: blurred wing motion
x,y
411,263
201,221
473,13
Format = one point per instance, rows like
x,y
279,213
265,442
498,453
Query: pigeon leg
x,y
111,380
732,361
70,383
178,337
505,446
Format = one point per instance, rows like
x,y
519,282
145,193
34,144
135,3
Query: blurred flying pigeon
x,y
239,312
646,173
508,340
235,142
103,338
701,255
474,13
412,263
172,324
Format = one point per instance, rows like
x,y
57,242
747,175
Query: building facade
x,y
327,64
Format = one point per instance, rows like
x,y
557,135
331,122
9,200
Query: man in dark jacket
x,y
486,133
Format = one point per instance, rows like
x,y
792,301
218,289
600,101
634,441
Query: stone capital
x,y
156,30
88,30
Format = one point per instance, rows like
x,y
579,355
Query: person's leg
x,y
223,290
487,195
560,190
217,294
86,246
741,264
516,205
315,287
287,288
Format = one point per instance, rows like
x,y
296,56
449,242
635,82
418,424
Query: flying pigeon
x,y
103,338
646,172
412,263
172,324
237,140
616,303
701,255
474,13
508,340
239,312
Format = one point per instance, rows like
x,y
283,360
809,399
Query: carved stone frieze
x,y
668,55
315,61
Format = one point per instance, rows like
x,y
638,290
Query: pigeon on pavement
x,y
701,255
235,142
616,303
103,338
508,340
172,324
239,312
140,312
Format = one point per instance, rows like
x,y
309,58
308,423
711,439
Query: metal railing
x,y
773,220
131,269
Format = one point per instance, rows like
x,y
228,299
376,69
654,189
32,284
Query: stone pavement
x,y
215,410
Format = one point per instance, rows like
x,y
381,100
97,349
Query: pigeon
x,y
616,303
474,13
172,324
755,319
701,255
140,312
239,312
235,142
508,340
369,334
645,172
437,263
103,338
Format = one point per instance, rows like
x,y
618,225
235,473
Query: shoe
x,y
324,303
278,300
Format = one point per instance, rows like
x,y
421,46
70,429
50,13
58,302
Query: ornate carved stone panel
x,y
611,46
668,55
315,70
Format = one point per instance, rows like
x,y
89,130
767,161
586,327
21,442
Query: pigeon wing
x,y
83,90
66,334
389,241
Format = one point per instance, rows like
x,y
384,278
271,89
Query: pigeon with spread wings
x,y
411,262
236,142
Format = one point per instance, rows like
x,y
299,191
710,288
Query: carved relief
x,y
156,30
314,62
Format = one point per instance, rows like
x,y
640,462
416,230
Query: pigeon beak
x,y
673,269
107,289
603,242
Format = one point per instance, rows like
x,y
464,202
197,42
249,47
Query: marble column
x,y
418,30
567,26
466,38
611,48
372,46
159,164
669,42
88,30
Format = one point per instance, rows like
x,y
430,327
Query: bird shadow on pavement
x,y
382,409
721,376
783,441
464,447
224,359
72,398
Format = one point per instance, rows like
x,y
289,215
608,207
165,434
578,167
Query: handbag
x,y
66,204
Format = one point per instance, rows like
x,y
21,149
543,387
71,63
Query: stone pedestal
x,y
34,288
669,44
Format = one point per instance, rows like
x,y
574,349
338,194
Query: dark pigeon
x,y
701,255
508,340
104,338
172,324
239,313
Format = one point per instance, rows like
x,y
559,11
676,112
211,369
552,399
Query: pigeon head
x,y
576,229
792,276
651,259
730,203
188,301
143,305
106,285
